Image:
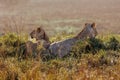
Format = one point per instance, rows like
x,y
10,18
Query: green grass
x,y
96,59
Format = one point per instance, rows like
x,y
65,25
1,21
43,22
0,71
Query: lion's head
x,y
88,31
39,34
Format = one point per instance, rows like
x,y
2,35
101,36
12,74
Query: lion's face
x,y
91,30
88,31
38,34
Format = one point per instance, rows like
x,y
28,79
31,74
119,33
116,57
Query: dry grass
x,y
59,17
103,64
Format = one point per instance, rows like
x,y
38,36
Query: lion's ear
x,y
39,29
93,25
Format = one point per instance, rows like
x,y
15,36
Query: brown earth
x,y
24,15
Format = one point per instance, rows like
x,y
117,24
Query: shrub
x,y
79,48
95,45
89,46
11,43
113,44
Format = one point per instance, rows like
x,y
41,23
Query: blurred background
x,y
57,16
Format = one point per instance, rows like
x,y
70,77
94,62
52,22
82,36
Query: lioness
x,y
63,48
30,48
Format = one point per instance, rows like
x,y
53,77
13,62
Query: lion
x,y
30,47
63,48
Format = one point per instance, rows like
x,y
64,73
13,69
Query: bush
x,y
89,46
95,45
79,48
113,44
10,43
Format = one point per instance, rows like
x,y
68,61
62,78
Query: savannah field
x,y
53,14
61,19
